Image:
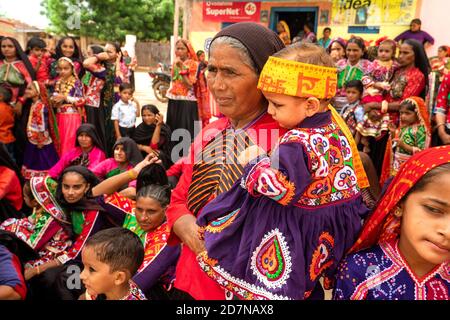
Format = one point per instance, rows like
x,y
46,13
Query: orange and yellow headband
x,y
298,79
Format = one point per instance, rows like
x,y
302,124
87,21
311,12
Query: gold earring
x,y
398,212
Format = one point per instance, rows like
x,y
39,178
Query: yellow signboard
x,y
373,12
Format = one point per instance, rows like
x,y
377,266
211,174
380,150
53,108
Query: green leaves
x,y
110,19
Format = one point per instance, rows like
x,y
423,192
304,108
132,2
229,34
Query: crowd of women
x,y
323,171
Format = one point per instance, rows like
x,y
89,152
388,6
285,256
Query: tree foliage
x,y
111,19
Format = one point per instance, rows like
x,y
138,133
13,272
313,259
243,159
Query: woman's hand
x,y
369,106
103,56
159,120
148,160
187,229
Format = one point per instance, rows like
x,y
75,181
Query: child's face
x,y
126,95
148,117
30,91
326,34
286,110
64,69
407,117
149,213
96,275
353,95
385,52
68,48
119,154
425,224
442,53
37,52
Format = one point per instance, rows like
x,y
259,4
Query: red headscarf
x,y
383,225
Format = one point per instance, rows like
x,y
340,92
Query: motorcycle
x,y
161,82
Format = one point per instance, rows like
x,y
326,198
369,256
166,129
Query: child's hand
x,y
249,154
59,98
392,128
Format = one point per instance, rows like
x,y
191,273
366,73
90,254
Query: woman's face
x,y
68,48
8,49
414,27
425,225
148,117
149,213
406,55
85,140
181,51
119,154
111,51
337,51
30,91
354,52
232,83
74,187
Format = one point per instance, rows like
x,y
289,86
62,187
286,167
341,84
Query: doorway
x,y
295,17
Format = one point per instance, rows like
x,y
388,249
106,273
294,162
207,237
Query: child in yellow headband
x,y
295,212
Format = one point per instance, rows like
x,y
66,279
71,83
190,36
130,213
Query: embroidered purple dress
x,y
381,273
290,219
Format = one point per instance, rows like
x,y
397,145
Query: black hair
x,y
21,55
155,191
309,26
150,107
357,84
35,42
420,61
125,86
427,178
6,93
76,53
96,49
119,248
152,174
199,53
327,29
418,21
409,105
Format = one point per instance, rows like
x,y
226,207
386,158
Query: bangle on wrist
x,y
438,125
132,174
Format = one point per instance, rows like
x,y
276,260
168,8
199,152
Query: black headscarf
x,y
260,41
6,161
131,149
144,133
91,132
87,202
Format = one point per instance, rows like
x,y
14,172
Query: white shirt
x,y
125,113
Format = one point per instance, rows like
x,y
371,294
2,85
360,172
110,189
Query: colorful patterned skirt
x,y
37,162
258,249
